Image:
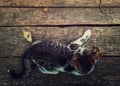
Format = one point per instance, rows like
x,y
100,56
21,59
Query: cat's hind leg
x,y
44,70
28,68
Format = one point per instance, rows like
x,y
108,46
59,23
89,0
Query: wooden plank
x,y
57,16
104,74
12,42
59,3
108,66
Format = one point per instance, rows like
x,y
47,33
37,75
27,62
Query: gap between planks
x,y
59,6
65,25
104,56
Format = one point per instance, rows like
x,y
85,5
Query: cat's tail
x,y
26,68
15,75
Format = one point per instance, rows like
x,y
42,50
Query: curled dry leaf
x,y
27,35
45,9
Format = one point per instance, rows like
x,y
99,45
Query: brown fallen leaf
x,y
27,35
45,9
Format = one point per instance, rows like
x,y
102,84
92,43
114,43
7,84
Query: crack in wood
x,y
59,7
62,26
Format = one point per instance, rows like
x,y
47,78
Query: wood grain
x,y
40,17
106,73
56,3
58,16
12,42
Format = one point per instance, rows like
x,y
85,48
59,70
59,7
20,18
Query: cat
x,y
52,57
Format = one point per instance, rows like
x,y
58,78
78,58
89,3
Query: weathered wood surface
x,y
12,42
59,3
26,13
58,16
106,73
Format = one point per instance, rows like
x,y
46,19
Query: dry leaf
x,y
27,35
45,9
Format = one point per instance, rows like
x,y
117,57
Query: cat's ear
x,y
96,52
75,63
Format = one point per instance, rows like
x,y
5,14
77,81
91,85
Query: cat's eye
x,y
93,52
74,46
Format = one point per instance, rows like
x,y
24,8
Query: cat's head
x,y
92,55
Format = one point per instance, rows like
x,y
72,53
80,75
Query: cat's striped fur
x,y
52,57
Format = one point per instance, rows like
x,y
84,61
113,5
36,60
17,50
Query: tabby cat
x,y
52,57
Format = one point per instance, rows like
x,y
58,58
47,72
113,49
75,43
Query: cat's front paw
x,y
81,40
86,35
